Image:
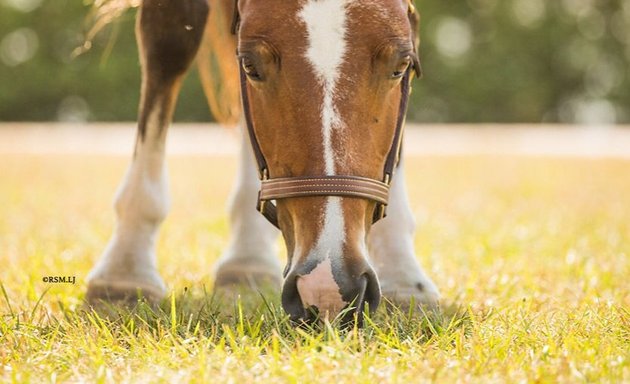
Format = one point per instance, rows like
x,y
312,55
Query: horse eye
x,y
402,68
250,69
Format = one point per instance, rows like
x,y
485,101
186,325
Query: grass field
x,y
532,256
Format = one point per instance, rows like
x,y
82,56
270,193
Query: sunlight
x,y
18,47
529,13
453,37
24,5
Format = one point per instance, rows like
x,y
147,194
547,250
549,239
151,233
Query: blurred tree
x,y
41,80
525,61
484,61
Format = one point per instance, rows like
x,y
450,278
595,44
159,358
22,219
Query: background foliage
x,y
484,61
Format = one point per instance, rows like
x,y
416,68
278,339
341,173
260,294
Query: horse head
x,y
324,86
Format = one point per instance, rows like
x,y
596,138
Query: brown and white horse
x,y
324,85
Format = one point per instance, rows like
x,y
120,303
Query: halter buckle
x,y
381,212
260,206
381,209
263,174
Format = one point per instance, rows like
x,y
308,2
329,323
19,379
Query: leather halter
x,y
344,185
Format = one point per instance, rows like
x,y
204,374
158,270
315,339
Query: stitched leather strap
x,y
261,163
351,186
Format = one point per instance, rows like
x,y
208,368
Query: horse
x,y
323,90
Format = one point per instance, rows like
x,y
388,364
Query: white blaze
x,y
325,22
326,29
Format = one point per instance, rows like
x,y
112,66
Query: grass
x,y
531,256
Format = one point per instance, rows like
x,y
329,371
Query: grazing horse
x,y
324,87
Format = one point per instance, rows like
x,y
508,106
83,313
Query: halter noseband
x,y
303,186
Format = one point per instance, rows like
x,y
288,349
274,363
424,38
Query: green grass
x,y
531,256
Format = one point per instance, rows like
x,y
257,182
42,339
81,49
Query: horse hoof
x,y
246,284
122,293
250,278
420,298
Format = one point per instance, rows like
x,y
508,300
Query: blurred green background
x,y
502,61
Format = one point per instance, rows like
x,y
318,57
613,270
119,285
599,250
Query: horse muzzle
x,y
327,289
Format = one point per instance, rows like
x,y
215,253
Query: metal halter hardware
x,y
337,185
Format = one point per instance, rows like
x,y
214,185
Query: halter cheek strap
x,y
345,185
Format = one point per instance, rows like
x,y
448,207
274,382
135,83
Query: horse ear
x,y
236,18
417,67
414,21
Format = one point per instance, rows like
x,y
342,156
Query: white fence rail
x,y
420,140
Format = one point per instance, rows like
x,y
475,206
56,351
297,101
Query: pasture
x,y
531,254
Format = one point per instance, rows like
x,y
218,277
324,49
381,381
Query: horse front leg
x,y
168,33
391,250
250,260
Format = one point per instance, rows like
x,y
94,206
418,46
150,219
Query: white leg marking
x,y
141,204
392,251
325,22
326,29
252,245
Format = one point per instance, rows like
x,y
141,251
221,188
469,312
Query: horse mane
x,y
216,64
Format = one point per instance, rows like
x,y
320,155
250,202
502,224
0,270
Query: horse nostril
x,y
372,295
369,293
354,310
291,301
